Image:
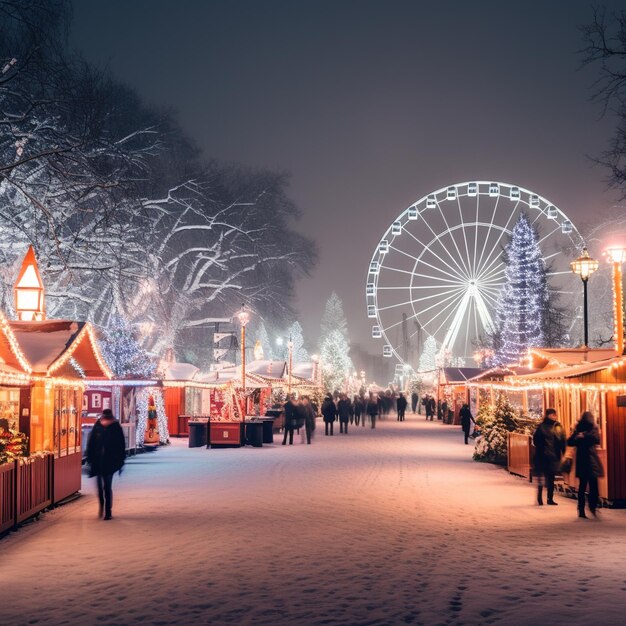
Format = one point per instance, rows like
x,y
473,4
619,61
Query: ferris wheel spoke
x,y
491,221
453,331
483,312
495,247
491,297
554,230
416,259
409,302
488,276
396,269
449,231
469,272
426,247
475,235
451,305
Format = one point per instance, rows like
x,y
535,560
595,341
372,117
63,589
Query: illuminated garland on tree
x,y
122,351
522,302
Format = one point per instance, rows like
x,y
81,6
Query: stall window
x,y
9,408
66,420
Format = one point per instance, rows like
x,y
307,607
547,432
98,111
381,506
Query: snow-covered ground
x,y
389,526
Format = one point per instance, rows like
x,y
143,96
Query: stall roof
x,y
460,374
573,371
267,369
305,370
60,347
180,371
499,373
559,357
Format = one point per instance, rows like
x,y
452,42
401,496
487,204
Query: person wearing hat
x,y
106,451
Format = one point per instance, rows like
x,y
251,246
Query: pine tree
x,y
333,317
263,337
299,353
335,360
428,357
495,422
523,298
121,350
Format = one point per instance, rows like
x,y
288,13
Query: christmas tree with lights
x,y
299,353
523,299
122,351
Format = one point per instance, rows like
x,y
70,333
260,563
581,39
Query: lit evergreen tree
x,y
122,351
335,360
263,337
428,358
299,353
523,298
333,317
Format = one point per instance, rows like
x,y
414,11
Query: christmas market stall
x,y
453,391
44,364
138,404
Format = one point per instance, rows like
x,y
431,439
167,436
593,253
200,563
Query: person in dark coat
x,y
414,402
291,417
401,407
431,406
585,438
106,452
466,421
358,409
549,442
309,418
372,410
344,410
329,411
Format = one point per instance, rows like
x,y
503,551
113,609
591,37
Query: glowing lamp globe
x,y
29,290
584,265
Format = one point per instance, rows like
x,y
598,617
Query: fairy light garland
x,y
68,354
14,345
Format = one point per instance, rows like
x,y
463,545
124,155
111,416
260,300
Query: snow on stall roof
x,y
180,371
573,356
303,370
267,369
44,342
572,371
461,374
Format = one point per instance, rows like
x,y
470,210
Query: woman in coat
x,y
549,442
372,410
466,421
329,411
106,451
585,438
345,411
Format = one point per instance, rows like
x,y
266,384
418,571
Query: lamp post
x,y
290,347
584,266
244,317
616,257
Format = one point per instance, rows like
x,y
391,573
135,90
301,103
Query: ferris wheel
x,y
438,269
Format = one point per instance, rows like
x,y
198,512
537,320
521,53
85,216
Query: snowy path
x,y
389,526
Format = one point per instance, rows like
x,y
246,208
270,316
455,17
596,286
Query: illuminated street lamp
x,y
29,291
584,266
616,256
290,346
244,317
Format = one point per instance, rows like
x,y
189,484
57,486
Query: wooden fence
x,y
519,455
8,502
34,485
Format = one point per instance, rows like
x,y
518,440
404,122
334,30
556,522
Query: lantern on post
x,y
584,266
29,290
244,317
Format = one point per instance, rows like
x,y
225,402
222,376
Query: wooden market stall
x,y
43,366
453,390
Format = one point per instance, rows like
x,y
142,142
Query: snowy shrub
x,y
495,423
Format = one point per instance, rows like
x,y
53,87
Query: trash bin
x,y
254,434
268,429
197,434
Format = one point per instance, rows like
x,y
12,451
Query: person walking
x,y
309,418
372,410
401,407
466,421
106,452
290,420
344,410
329,411
358,409
586,438
549,442
414,401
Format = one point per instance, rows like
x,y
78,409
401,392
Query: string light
x,y
14,345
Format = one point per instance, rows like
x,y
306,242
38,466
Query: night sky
x,y
369,105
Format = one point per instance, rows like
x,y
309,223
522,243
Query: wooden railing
x,y
67,476
34,485
7,496
519,455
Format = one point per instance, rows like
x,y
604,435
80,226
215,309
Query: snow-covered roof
x,y
57,346
460,374
306,370
559,357
573,371
180,371
267,369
